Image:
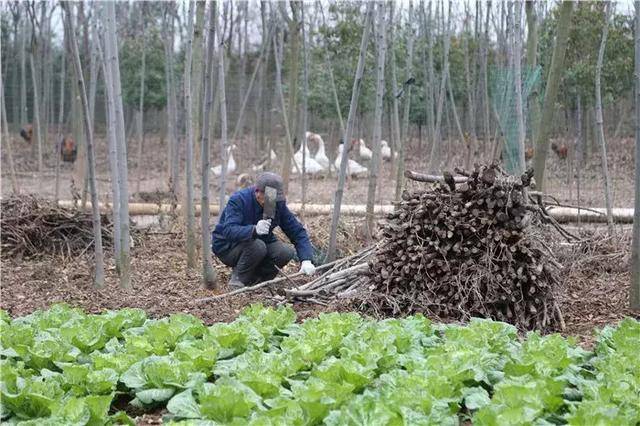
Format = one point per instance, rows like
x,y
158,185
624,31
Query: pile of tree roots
x,y
463,246
468,246
33,227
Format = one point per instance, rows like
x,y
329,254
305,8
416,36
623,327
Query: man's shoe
x,y
234,281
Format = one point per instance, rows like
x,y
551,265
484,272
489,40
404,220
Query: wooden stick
x,y
421,177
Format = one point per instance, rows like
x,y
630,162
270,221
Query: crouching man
x,y
244,240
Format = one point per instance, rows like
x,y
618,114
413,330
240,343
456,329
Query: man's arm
x,y
296,233
234,230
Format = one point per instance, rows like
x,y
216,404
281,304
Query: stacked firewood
x,y
465,248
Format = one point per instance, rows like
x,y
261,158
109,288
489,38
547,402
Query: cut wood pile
x,y
32,227
467,246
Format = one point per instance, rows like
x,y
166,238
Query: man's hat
x,y
273,180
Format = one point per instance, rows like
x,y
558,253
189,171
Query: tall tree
x,y
113,78
140,121
600,121
404,137
381,38
60,133
395,116
517,80
88,128
532,62
208,273
305,104
172,109
486,115
188,104
430,95
355,93
224,143
551,92
36,91
634,292
7,138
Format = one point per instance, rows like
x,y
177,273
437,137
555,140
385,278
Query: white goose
x,y
364,152
231,163
312,167
386,151
261,166
320,156
353,167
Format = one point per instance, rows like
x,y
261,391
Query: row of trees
x,y
434,65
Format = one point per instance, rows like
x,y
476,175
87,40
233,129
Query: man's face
x,y
260,197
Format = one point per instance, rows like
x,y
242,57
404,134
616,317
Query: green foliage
x,y
337,369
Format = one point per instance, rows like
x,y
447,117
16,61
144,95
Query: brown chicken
x,y
561,150
528,153
68,150
26,132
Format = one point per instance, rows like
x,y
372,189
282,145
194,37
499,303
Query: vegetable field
x,y
62,366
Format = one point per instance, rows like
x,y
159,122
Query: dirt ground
x,y
561,182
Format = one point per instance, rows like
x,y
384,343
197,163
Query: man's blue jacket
x,y
243,212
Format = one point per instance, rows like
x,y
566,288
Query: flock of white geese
x,y
318,163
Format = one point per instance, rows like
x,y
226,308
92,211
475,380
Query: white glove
x,y
263,226
307,267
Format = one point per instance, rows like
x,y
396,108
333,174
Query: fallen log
x,y
561,214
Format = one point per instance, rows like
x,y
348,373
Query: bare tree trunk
x,y
332,79
486,116
381,30
431,125
395,118
353,109
60,133
634,291
188,104
404,137
36,111
517,78
223,127
172,110
471,113
8,138
551,91
208,273
261,104
532,61
140,117
114,79
23,74
305,105
293,62
579,150
88,128
197,72
600,122
436,149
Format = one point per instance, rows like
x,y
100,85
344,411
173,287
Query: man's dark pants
x,y
255,260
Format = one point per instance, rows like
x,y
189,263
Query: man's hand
x,y
307,267
263,226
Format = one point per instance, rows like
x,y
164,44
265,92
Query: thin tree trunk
x,y
223,127
517,58
8,138
60,133
436,149
429,72
172,122
600,122
486,116
532,61
208,273
114,77
353,109
197,72
140,117
36,113
634,291
404,137
88,128
23,75
188,104
471,113
305,104
332,80
551,92
579,151
395,118
381,30
292,85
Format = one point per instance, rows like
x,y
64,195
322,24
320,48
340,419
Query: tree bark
x,y
395,116
223,127
471,113
551,92
436,149
140,121
305,103
600,122
381,30
60,133
36,110
197,72
8,139
123,190
353,109
188,103
634,292
208,273
23,75
532,62
517,70
486,111
88,128
404,137
172,110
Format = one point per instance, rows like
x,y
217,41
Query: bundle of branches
x,y
31,226
465,247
